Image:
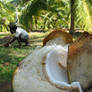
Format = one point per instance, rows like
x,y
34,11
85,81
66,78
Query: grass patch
x,y
11,56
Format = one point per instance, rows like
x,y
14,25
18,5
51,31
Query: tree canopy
x,y
44,14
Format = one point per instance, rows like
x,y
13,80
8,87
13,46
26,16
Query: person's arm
x,y
7,44
15,38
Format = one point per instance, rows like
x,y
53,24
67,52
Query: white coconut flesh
x,y
53,69
56,74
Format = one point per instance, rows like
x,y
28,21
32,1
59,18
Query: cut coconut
x,y
80,61
30,76
59,37
56,74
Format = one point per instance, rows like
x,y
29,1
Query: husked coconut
x,y
80,61
31,74
59,37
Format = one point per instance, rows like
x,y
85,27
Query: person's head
x,y
12,27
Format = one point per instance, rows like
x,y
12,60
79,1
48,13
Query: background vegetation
x,y
41,16
47,14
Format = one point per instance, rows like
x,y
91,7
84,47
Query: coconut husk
x,y
80,61
61,37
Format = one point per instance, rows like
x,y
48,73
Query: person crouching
x,y
20,35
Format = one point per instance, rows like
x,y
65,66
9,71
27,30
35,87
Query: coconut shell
x,y
80,61
66,37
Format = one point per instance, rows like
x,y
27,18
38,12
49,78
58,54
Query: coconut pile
x,y
45,69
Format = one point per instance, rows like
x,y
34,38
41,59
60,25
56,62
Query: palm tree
x,y
55,10
80,12
31,8
72,16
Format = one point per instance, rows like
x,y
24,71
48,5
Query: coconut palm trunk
x,y
36,23
72,17
30,29
1,28
31,24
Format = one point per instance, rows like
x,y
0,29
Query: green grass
x,y
11,56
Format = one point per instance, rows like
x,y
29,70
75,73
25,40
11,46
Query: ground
x,y
11,56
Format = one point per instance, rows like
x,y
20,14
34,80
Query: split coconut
x,y
45,69
56,74
80,61
38,75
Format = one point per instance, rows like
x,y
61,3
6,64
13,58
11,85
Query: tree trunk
x,y
30,29
72,17
1,28
36,23
31,26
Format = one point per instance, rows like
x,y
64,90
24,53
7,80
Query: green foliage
x,y
6,14
56,13
14,55
46,14
83,14
32,8
50,12
7,11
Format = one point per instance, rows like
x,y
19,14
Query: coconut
x,y
30,76
39,74
80,61
56,74
59,37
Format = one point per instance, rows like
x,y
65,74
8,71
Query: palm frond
x,y
6,13
32,8
56,7
83,14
